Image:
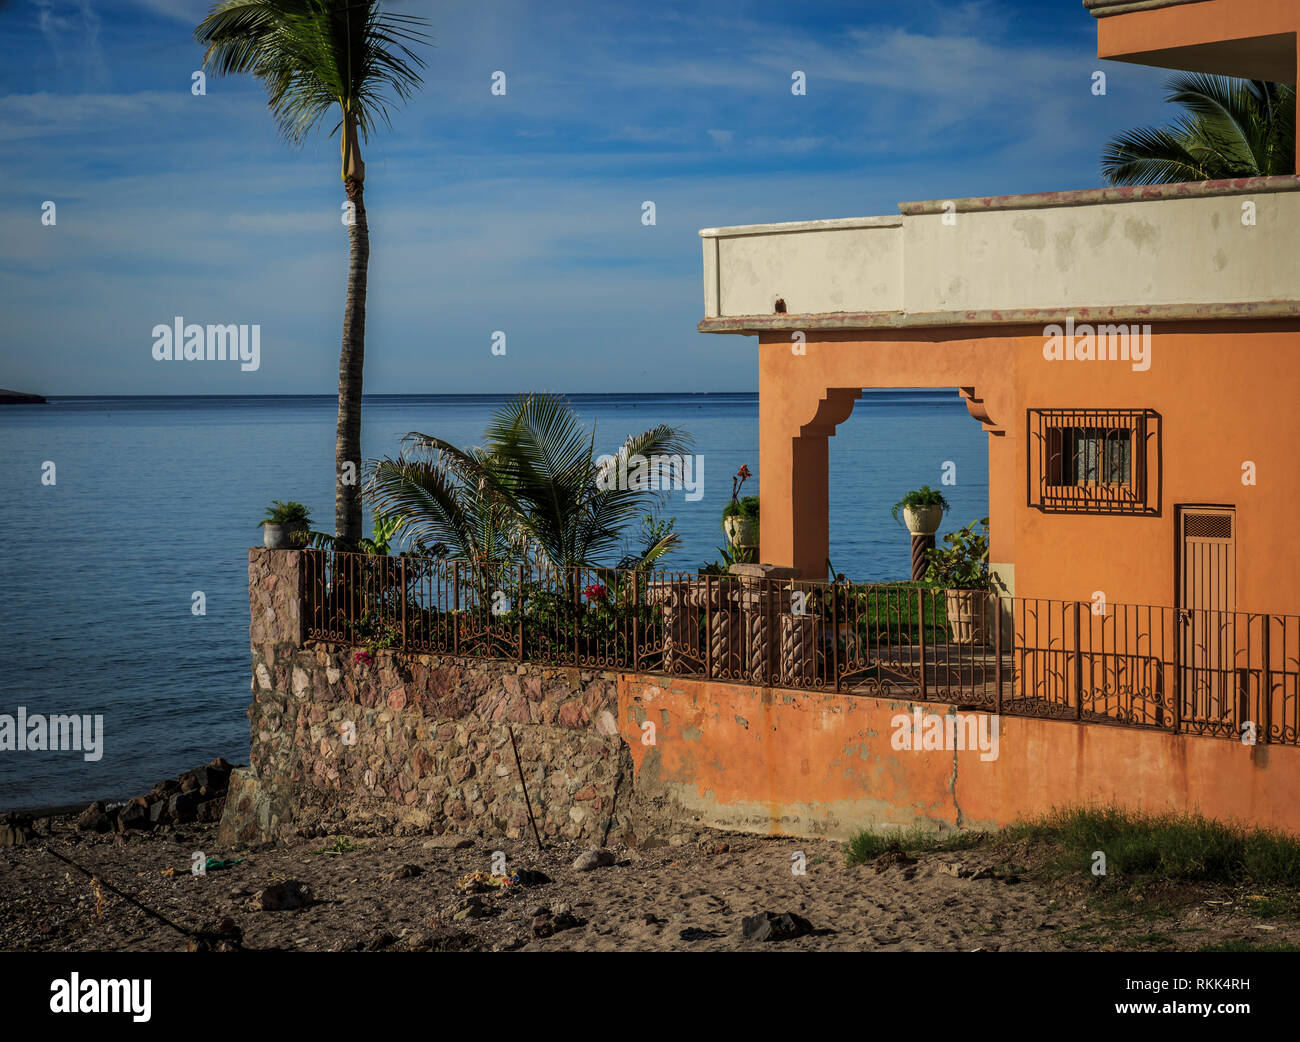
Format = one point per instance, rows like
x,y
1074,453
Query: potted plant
x,y
285,525
740,516
961,568
922,510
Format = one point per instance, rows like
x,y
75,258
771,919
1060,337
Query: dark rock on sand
x,y
554,919
95,818
597,857
283,897
16,830
768,926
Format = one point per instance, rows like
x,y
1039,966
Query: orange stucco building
x,y
1134,357
1174,396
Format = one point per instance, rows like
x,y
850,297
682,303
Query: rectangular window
x,y
1091,456
1092,460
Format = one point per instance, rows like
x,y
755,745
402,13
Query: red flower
x,y
594,591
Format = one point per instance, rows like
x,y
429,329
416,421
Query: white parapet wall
x,y
1228,249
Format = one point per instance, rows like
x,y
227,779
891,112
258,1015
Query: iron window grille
x,y
1094,461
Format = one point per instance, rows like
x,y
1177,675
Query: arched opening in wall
x,y
897,440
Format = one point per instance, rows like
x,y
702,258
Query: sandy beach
x,y
412,893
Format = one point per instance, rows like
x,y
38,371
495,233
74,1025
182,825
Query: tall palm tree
x,y
535,491
1231,128
313,55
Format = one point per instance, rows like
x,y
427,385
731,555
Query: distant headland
x,y
19,398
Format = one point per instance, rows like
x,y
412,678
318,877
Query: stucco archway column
x,y
794,425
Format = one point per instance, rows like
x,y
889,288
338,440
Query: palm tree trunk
x,y
347,445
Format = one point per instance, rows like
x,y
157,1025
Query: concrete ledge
x,y
847,320
1106,8
1096,196
1183,252
783,227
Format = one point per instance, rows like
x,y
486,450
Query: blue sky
x,y
519,213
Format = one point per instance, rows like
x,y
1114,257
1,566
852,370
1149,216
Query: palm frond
x,y
1229,128
314,54
529,493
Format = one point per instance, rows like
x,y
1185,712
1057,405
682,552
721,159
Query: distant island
x,y
19,398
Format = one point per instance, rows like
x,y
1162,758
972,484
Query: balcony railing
x,y
1226,674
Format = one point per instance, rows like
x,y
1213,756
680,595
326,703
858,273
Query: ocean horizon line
x,y
908,392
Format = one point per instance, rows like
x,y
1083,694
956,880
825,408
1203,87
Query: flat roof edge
x,y
1095,196
1106,8
847,320
785,227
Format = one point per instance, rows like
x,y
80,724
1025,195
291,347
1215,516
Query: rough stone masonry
x,y
420,742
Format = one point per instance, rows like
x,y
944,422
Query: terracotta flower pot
x,y
970,614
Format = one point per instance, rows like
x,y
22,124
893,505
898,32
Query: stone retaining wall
x,y
421,741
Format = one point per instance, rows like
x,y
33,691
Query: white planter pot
x,y
923,520
741,531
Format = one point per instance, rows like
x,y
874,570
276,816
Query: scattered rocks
x,y
283,897
597,857
404,872
198,795
16,830
472,907
134,816
768,926
95,818
164,790
559,916
694,933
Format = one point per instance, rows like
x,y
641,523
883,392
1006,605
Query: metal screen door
x,y
1207,596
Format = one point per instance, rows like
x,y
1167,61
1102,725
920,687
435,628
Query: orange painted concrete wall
x,y
1136,33
1181,25
1226,394
800,763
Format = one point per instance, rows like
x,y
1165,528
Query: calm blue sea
x,y
156,498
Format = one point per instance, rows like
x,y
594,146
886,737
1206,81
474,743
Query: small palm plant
x,y
535,492
1230,128
314,55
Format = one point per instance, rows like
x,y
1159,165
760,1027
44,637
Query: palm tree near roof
x,y
314,55
1230,128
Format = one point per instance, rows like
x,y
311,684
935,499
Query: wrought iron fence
x,y
1199,672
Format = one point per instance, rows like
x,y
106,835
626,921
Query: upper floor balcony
x,y
1203,251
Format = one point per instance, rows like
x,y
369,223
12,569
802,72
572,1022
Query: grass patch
x,y
1246,946
869,845
342,845
1144,849
1271,906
